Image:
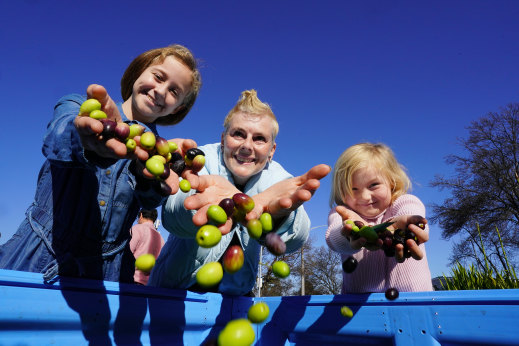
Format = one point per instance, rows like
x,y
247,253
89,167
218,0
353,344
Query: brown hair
x,y
157,56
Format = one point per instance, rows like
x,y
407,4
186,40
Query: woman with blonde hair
x,y
241,162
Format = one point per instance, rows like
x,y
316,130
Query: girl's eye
x,y
158,77
374,185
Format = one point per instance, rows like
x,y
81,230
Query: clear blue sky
x,y
411,74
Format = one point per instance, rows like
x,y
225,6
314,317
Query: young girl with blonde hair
x,y
370,186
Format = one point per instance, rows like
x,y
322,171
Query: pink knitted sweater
x,y
375,272
145,239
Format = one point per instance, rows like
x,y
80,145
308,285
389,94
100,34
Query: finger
x,y
88,126
200,217
193,179
343,212
317,172
99,93
173,182
226,227
416,251
399,253
422,235
118,148
194,202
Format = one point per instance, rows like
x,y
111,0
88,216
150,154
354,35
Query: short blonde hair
x,y
363,155
250,103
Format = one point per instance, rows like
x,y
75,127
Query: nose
x,y
246,145
161,91
365,195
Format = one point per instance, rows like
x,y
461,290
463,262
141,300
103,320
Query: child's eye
x,y
174,91
374,185
158,77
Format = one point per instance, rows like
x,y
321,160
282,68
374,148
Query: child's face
x,y
371,192
159,90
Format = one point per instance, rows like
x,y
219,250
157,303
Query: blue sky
x,y
411,74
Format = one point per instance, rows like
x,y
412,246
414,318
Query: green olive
x,y
266,222
155,166
98,114
88,106
185,185
258,312
217,214
145,262
210,274
148,140
208,236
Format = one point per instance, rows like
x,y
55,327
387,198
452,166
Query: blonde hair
x,y
363,155
249,103
157,56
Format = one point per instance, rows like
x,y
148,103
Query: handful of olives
x,y
389,238
163,153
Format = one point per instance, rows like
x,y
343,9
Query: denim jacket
x,y
84,206
181,257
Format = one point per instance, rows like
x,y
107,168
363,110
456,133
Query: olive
x,y
349,265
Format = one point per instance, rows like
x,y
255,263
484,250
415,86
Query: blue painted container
x,y
76,312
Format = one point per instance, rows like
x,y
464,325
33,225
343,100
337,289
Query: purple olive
x,y
227,205
349,265
392,293
177,166
122,131
108,128
166,173
275,244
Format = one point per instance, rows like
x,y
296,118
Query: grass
x,y
475,278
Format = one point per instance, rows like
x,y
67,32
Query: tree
x,y
484,190
322,272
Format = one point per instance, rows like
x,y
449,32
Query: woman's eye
x,y
174,92
238,134
260,139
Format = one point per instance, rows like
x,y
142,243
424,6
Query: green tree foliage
x,y
484,191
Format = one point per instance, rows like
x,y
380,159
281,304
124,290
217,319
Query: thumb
x,y
343,212
98,92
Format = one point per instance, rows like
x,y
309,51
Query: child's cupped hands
x,y
415,223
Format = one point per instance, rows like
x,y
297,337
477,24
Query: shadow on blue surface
x,y
75,311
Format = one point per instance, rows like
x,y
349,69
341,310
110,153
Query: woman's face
x,y
159,91
247,145
371,192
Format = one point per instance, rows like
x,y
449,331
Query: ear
x,y
222,139
271,155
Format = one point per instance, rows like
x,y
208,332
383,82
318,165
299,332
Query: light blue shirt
x,y
181,257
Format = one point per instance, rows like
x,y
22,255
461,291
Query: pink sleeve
x,y
406,205
334,238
